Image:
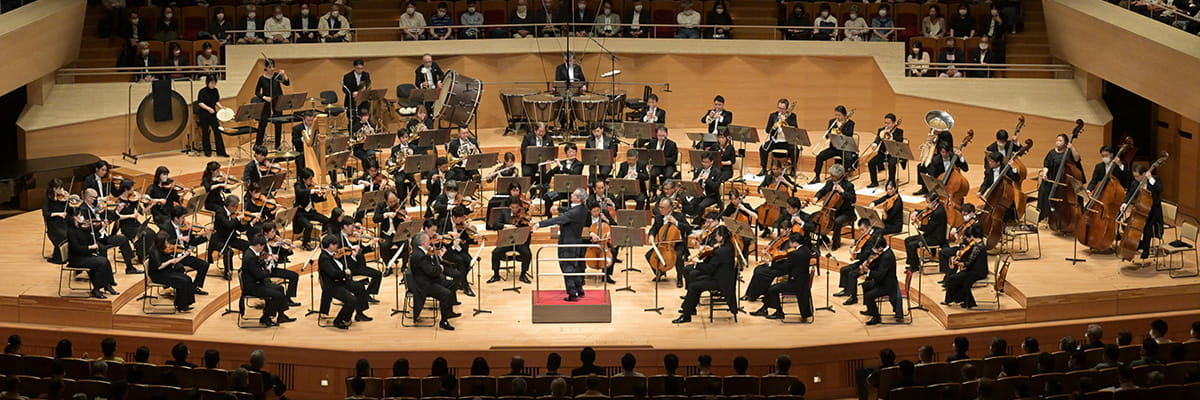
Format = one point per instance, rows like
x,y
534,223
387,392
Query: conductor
x,y
572,222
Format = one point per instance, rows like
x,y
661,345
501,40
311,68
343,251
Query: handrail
x,y
162,70
993,67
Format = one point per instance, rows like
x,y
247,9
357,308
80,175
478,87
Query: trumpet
x,y
713,116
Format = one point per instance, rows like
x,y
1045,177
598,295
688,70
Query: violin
x,y
61,194
248,217
178,248
262,201
269,168
222,178
282,243
189,227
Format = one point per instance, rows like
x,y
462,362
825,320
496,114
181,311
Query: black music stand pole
x,y
1078,190
510,238
628,238
828,306
404,232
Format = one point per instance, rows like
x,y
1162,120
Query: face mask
x,y
250,15
278,16
133,21
441,13
720,10
208,53
471,9
1106,159
177,52
304,12
333,14
882,13
853,15
582,6
521,9
983,46
916,50
637,8
995,12
146,52
169,15
824,14
411,10
932,14
962,12
220,16
607,11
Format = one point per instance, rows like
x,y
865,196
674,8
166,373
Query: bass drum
x,y
457,99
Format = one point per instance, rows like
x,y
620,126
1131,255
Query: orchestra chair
x,y
623,385
45,239
1028,226
414,300
68,273
374,386
932,373
333,107
402,387
32,387
10,364
152,291
772,385
242,320
476,386
212,379
1177,372
1037,383
992,281
76,368
1170,391
908,16
90,387
702,385
324,318
1187,234
657,385
906,306
716,302
910,393
1006,387
943,388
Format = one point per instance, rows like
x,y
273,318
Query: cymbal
x,y
312,99
287,154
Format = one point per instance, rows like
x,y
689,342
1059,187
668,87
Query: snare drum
x,y
512,99
616,103
457,99
542,107
590,108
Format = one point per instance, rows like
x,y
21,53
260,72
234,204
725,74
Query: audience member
x,y
1030,346
592,386
1094,334
218,28
516,367
439,367
579,20
864,377
63,349
358,387
520,387
907,377
740,365
628,363
608,22
333,26
413,23
987,388
783,365
587,356
212,359
798,23
471,17
479,367
933,26
1124,380
999,347
12,389
961,346
985,55
558,388
883,20
1149,354
1078,361
180,354
1112,356
553,362
362,368
917,60
1158,331
108,349
1067,343
441,18
1194,333
207,58
175,58
670,364
823,24
704,364
276,28
253,26
305,26
688,18
723,22
950,53
99,370
638,17
925,354
856,25
13,346
1124,337
400,367
524,19
962,25
271,382
167,28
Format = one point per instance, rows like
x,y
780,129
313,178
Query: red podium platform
x,y
549,307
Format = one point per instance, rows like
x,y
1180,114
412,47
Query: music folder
x,y
654,158
899,150
538,155
796,136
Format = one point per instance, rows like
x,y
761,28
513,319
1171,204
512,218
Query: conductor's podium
x,y
549,307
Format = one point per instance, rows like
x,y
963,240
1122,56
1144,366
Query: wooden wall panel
x,y
38,39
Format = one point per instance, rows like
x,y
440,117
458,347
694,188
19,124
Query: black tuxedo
x,y
660,173
876,164
306,213
796,268
172,276
193,262
571,223
225,236
298,143
435,70
427,281
560,73
851,158
937,166
958,284
641,173
845,212
609,143
893,218
523,254
102,188
256,281
529,166
336,284
848,275
711,194
1009,148
309,35
1154,221
79,255
681,247
716,273
989,178
883,283
567,167
932,234
660,116
350,85
725,119
981,58
1120,174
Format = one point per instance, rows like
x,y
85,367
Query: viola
x,y
191,228
1064,204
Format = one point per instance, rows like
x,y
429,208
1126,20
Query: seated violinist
x,y
307,195
844,214
848,275
633,168
450,198
970,264
227,223
500,199
164,195
187,236
389,214
216,186
84,252
100,216
164,269
280,251
516,214
459,236
354,237
795,261
969,228
717,272
931,225
373,179
257,203
259,167
793,219
892,209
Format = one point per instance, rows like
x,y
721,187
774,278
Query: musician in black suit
x,y
429,74
710,177
507,219
565,166
660,173
863,247
306,128
279,251
633,168
969,266
875,164
1054,160
388,215
258,167
162,268
465,145
1109,164
569,70
941,162
435,183
361,125
427,280
943,138
776,140
268,89
796,268
715,273
306,213
186,239
841,123
227,223
1154,221
84,251
335,278
96,180
1002,145
457,256
665,214
971,226
256,281
101,218
601,140
357,260
715,119
845,212
404,180
529,166
992,176
893,213
654,115
931,228
571,224
725,154
881,281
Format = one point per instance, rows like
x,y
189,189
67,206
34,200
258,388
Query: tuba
x,y
938,121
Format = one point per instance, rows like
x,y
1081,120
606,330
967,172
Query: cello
x,y
1064,204
664,241
956,185
604,232
767,213
823,219
1000,198
1136,215
1097,228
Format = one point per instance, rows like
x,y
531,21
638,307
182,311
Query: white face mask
x,y
916,50
1106,159
521,9
146,52
932,14
882,13
304,12
278,16
637,7
983,46
607,11
962,12
582,6
169,15
208,53
220,16
853,16
133,21
441,13
470,9
411,10
250,15
333,14
720,10
824,14
995,12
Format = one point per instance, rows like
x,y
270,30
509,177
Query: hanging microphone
x,y
667,88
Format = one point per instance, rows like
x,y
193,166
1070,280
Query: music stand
x,y
776,197
283,219
934,185
741,133
419,163
478,161
690,188
370,199
405,231
568,183
638,130
290,101
796,136
538,155
379,141
597,157
870,214
336,143
248,112
565,88
433,138
898,150
510,237
738,228
633,218
654,158
272,182
336,160
847,144
371,95
701,137
624,187
628,238
503,182
694,156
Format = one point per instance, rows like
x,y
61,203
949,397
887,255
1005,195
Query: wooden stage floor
x,y
1045,290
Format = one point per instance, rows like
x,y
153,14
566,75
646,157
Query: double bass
x,y
664,241
1097,228
1136,214
1019,199
1063,201
1000,198
956,185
